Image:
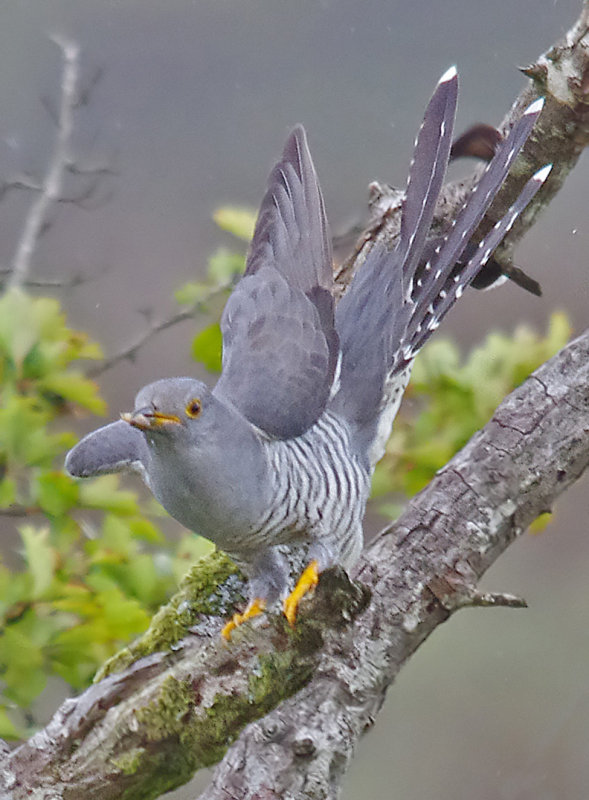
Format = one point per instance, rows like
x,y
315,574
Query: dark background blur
x,y
191,111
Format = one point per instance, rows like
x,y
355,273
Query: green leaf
x,y
75,387
57,493
105,493
23,434
141,578
15,590
193,292
541,522
144,529
238,220
7,492
19,328
190,549
207,347
116,539
21,662
40,557
116,618
8,729
224,265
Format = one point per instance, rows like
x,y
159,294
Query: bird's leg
x,y
255,607
308,580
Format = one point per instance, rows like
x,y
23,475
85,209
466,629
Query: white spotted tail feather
x,y
396,301
437,293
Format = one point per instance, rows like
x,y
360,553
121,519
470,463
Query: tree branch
x,y
49,191
183,693
129,351
51,188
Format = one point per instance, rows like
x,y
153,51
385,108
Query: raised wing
x,y
280,348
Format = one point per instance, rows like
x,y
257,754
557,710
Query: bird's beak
x,y
147,419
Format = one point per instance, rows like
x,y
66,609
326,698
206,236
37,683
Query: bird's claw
x,y
254,608
308,580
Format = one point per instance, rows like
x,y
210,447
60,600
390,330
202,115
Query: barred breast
x,y
319,493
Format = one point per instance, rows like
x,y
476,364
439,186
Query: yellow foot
x,y
255,607
308,580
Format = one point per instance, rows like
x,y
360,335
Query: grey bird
x,y
274,463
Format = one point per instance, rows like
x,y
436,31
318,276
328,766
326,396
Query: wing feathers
x,y
280,348
114,448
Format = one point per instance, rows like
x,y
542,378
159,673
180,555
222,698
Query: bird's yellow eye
x,y
193,408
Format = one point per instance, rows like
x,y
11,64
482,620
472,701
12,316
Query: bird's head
x,y
173,407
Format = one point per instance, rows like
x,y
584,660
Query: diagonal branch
x,y
174,700
129,351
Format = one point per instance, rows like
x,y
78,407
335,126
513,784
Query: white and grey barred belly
x,y
319,493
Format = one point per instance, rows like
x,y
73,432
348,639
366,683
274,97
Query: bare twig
x,y
53,181
129,352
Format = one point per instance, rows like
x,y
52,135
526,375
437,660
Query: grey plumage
x,y
274,464
282,310
113,448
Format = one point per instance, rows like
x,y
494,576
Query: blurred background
x,y
191,107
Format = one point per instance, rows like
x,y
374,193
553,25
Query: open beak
x,y
147,419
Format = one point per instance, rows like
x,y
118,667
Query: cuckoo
x,y
274,463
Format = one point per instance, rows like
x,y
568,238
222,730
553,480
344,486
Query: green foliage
x,y
90,568
207,347
224,267
451,398
236,220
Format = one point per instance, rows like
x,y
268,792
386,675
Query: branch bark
x,y
174,700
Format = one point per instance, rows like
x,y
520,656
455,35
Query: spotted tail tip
x,y
535,107
449,75
542,173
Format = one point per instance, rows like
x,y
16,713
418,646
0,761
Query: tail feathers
x,y
427,317
426,173
396,300
372,316
430,288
